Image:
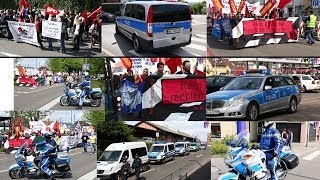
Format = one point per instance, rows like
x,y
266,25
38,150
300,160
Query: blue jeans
x,y
85,145
45,161
62,46
83,94
50,42
309,34
271,165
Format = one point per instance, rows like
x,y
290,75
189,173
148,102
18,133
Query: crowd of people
x,y
74,25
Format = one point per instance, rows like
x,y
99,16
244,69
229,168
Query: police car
x,y
161,152
155,24
248,96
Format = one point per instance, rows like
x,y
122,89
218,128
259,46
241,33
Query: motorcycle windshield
x,y
240,139
22,148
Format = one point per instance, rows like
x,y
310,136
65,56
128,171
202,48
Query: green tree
x,y
8,4
67,5
97,66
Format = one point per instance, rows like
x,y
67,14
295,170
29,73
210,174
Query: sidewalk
x,y
301,149
217,167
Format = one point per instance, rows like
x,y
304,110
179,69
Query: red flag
x,y
24,3
266,8
283,3
85,16
127,62
242,3
56,127
51,10
247,14
218,5
154,60
173,63
94,14
233,7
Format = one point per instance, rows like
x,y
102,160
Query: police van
x,y
109,163
155,24
182,148
161,152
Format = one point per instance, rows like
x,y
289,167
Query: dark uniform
x,y
137,163
124,171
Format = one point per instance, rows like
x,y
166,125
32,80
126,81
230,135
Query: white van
x,y
182,148
155,24
161,152
109,163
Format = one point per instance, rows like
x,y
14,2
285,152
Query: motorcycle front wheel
x,y
95,103
65,101
16,173
281,173
60,175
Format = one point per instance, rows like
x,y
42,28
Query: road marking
x,y
197,47
90,175
183,157
76,153
199,40
199,155
200,35
299,154
170,162
147,171
310,99
144,54
50,104
107,52
4,170
311,156
10,55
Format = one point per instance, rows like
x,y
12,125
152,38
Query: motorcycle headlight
x,y
236,102
246,157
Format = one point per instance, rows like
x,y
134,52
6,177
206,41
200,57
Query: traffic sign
x,y
157,134
315,3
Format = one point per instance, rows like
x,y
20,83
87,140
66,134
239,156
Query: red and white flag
x,y
51,10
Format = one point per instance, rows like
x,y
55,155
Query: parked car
x,y
161,152
216,82
194,146
298,82
108,17
182,148
203,146
308,82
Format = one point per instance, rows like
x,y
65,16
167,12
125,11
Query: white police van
x,y
109,163
161,152
182,148
155,24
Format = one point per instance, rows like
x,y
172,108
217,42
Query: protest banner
x,y
51,29
23,32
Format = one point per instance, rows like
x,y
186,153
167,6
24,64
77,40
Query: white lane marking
x,y
147,171
311,156
199,40
180,116
91,175
191,104
199,155
10,55
144,54
199,35
76,153
170,162
299,154
108,53
182,52
50,104
197,47
4,170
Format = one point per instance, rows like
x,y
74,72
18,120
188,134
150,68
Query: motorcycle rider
x,y
86,85
49,146
271,144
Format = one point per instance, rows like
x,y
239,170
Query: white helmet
x,y
85,74
267,124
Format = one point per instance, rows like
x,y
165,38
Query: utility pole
x,y
307,133
257,63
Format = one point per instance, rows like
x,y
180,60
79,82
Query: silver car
x,y
248,96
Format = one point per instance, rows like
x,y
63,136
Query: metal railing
x,y
179,174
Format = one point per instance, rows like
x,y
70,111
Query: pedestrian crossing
x,y
311,156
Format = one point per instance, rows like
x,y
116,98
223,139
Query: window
x,y
129,10
165,149
291,81
269,82
170,13
171,147
126,153
140,151
306,78
139,12
280,81
122,10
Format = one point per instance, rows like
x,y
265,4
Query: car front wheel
x,y
292,105
252,112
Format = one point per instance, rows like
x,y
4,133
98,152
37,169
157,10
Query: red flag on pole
x,y
217,4
94,14
173,63
56,127
51,10
127,62
233,7
85,16
283,3
24,3
247,14
266,8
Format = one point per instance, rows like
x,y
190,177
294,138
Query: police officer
x,y
311,25
125,169
137,163
271,144
49,147
85,85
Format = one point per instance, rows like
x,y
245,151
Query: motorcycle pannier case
x,y
96,95
291,161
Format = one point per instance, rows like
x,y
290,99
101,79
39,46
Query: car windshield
x,y
179,145
156,149
193,144
112,156
314,77
218,81
247,83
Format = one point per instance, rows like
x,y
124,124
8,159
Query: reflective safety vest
x,y
313,21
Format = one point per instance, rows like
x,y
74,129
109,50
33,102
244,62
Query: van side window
x,y
171,147
129,10
122,10
126,153
165,149
139,12
140,151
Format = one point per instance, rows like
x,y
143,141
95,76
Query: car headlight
x,y
236,102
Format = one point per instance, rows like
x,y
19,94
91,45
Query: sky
x,y
33,62
194,128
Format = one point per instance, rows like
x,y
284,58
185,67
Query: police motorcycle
x,y
72,95
250,163
28,163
